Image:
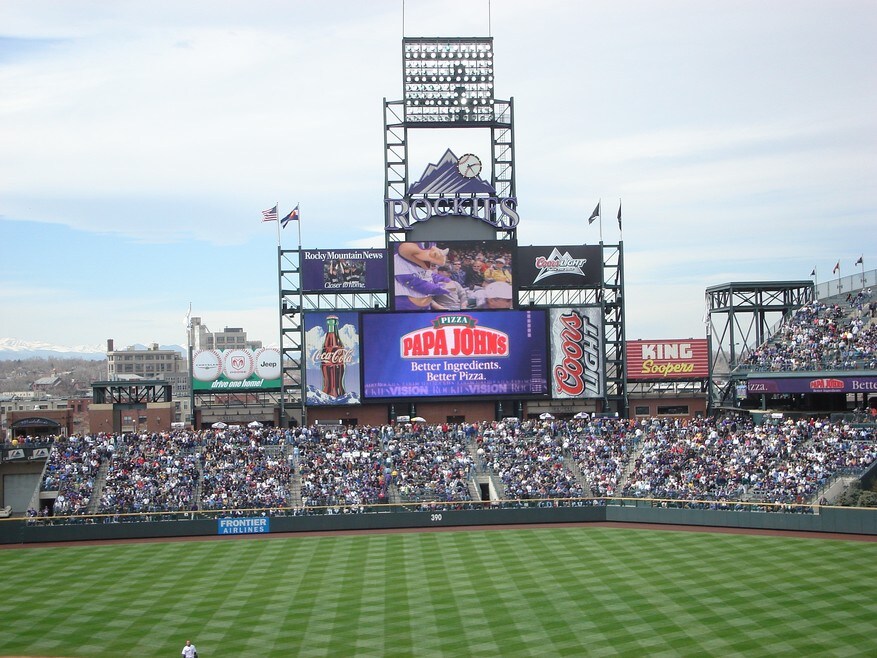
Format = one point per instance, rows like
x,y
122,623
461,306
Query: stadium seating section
x,y
320,469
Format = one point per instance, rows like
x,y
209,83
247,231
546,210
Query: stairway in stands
x,y
624,478
99,481
294,480
577,473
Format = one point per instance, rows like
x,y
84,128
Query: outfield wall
x,y
826,519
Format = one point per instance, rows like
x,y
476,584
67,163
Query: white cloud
x,y
741,138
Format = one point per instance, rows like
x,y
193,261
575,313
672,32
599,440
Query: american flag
x,y
270,215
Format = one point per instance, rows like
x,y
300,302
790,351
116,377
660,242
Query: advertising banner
x,y
451,354
332,358
343,270
453,275
650,360
11,454
576,352
570,266
236,370
833,384
243,526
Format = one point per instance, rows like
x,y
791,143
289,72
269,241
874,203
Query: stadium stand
x,y
730,459
71,470
823,336
241,473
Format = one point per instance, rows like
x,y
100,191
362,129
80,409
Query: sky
x,y
140,141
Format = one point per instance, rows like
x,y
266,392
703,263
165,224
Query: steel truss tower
x,y
740,318
448,83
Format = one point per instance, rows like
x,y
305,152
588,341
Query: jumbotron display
x,y
436,354
453,275
455,327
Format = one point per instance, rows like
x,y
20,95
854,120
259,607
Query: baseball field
x,y
562,591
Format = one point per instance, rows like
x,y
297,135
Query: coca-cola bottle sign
x,y
334,358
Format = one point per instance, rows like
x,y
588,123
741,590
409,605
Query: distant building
x,y
23,414
141,366
230,338
46,383
152,363
149,363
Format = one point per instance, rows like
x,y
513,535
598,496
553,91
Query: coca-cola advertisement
x,y
332,358
576,352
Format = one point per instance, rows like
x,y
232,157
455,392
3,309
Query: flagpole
x,y
278,225
298,221
281,420
600,217
620,232
861,262
303,390
191,348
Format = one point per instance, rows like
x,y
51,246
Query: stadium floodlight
x,y
448,79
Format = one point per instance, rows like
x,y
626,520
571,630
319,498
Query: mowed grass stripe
x,y
562,591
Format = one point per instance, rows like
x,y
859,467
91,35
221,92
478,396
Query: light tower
x,y
448,82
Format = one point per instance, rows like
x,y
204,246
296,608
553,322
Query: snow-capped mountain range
x,y
13,348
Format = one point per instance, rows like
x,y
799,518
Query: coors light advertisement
x,y
332,358
561,266
576,352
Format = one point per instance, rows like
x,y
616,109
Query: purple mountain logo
x,y
444,177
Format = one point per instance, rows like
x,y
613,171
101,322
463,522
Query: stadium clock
x,y
469,165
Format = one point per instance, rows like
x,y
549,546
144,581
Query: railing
x,y
431,506
846,284
821,366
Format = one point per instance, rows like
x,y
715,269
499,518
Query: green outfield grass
x,y
523,592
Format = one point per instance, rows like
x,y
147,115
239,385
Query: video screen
x,y
453,275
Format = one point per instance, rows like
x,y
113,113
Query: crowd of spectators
x,y
240,472
529,459
821,336
343,468
29,441
72,469
431,463
732,459
152,473
728,459
602,449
